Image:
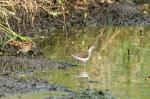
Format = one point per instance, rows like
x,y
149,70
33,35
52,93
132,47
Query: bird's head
x,y
90,48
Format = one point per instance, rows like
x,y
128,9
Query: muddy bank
x,y
86,94
12,85
23,65
104,14
76,15
17,65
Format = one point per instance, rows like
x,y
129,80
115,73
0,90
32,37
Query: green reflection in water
x,y
119,64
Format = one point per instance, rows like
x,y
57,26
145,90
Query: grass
x,y
6,31
29,8
58,9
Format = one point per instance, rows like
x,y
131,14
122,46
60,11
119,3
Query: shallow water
x,y
119,63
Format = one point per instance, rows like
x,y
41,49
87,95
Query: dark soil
x,y
23,65
86,94
11,85
98,14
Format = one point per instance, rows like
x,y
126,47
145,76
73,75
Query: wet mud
x,y
25,65
12,85
17,65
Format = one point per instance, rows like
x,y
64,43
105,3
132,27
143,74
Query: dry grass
x,y
29,8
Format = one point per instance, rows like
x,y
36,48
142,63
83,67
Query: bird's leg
x,y
84,66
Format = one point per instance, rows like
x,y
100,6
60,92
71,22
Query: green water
x,y
119,63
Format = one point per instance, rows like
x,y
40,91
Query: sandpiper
x,y
84,56
22,46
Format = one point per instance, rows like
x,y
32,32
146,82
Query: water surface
x,y
119,63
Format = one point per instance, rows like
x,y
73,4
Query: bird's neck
x,y
89,52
